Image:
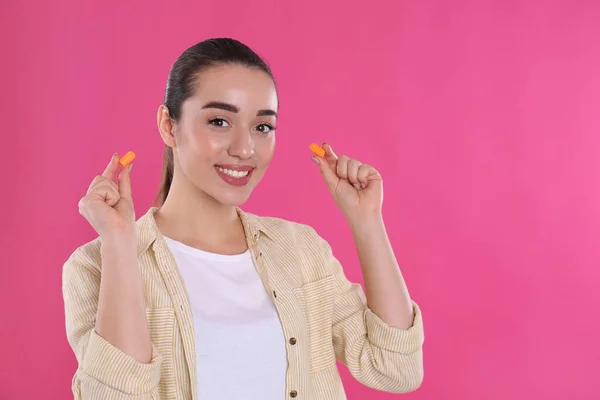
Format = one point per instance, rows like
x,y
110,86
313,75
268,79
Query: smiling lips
x,y
236,175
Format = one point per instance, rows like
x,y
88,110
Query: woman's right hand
x,y
108,206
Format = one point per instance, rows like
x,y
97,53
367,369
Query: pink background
x,y
482,117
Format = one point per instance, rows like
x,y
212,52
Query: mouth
x,y
235,175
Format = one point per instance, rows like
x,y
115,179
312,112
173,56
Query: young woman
x,y
200,300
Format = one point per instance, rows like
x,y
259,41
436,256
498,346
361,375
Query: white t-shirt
x,y
240,345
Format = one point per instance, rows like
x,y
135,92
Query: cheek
x,y
265,149
207,145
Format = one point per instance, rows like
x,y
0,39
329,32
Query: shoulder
x,y
287,231
297,247
89,256
86,256
278,226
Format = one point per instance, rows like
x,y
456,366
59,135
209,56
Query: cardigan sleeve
x,y
377,355
104,371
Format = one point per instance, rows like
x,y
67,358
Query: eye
x,y
265,128
220,122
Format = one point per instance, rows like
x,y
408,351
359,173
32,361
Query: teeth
x,y
233,174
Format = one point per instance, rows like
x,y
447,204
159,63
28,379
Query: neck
x,y
195,218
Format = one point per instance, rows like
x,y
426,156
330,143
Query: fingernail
x,y
325,144
357,186
315,159
130,167
362,185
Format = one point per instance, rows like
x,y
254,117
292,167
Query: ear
x,y
166,126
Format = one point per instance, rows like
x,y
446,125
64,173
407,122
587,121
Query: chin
x,y
232,198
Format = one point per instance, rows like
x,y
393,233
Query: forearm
x,y
121,318
386,291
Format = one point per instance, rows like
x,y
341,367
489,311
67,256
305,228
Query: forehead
x,y
248,88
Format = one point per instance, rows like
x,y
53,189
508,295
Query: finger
x,y
101,181
327,171
342,167
112,196
112,167
98,180
125,182
366,172
95,182
353,166
106,192
329,153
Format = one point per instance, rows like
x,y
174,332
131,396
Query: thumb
x,y
125,182
327,171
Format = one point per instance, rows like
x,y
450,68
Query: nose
x,y
242,144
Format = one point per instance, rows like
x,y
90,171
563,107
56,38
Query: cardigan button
x,y
293,393
293,341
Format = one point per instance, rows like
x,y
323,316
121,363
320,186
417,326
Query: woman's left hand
x,y
357,188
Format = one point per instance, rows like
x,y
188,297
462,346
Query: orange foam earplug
x,y
318,150
127,159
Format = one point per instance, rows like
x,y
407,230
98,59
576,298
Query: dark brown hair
x,y
182,84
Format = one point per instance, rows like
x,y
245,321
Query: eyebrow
x,y
235,109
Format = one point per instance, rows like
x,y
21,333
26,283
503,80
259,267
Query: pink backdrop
x,y
481,115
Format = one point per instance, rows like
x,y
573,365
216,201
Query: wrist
x,y
120,240
365,223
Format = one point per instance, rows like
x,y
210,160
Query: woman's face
x,y
225,138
